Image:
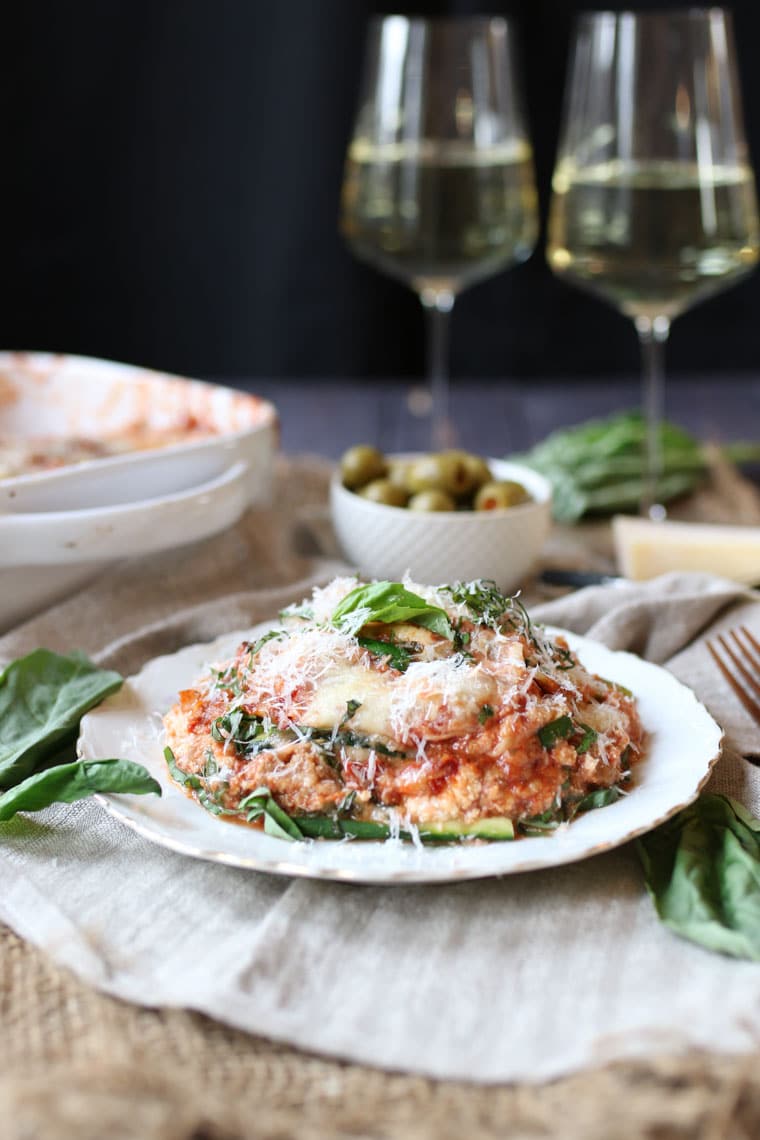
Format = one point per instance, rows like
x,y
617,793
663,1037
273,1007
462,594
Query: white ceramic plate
x,y
684,743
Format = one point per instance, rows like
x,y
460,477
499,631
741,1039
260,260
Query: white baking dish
x,y
61,526
48,395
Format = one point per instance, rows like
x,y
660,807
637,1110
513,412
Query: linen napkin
x,y
520,978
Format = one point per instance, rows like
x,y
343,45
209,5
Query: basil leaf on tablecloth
x,y
42,697
597,467
702,869
69,782
389,602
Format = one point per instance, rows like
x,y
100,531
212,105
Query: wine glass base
x,y
421,404
443,435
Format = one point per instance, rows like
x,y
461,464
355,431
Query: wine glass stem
x,y
653,335
438,304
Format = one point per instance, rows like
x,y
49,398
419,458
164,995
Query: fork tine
x,y
753,642
750,704
737,661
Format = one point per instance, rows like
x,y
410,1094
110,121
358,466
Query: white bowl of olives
x,y
441,517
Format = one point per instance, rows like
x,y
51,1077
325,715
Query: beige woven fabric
x,y
77,1063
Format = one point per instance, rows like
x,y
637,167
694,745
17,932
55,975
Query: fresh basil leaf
x,y
555,730
389,602
42,698
69,782
702,870
486,712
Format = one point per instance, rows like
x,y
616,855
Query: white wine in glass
x,y
439,188
653,196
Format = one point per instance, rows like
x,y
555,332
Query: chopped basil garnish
x,y
399,653
211,800
555,730
247,734
563,728
346,805
490,607
227,679
462,639
350,739
485,714
589,737
352,706
565,659
276,821
184,779
601,797
298,610
274,634
540,824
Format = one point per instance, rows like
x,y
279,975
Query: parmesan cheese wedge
x,y
645,549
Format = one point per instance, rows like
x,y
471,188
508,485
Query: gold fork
x,y
743,652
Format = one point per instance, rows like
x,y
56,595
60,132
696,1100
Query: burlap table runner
x,y
183,1076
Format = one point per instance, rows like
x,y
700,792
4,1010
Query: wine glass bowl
x,y
653,196
439,190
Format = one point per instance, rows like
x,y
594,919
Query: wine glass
x,y
439,188
653,196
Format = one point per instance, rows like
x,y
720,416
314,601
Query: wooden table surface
x,y
493,417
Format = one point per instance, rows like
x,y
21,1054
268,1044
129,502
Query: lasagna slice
x,y
394,708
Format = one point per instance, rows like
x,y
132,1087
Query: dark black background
x,y
169,195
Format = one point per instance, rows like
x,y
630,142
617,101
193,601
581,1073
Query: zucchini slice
x,y
443,831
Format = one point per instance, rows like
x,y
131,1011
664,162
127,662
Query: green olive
x,y
478,470
432,500
444,471
360,464
398,472
384,491
498,495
